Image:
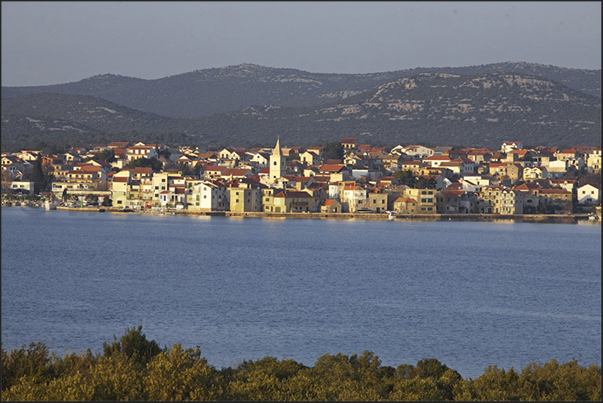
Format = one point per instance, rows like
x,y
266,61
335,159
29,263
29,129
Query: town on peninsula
x,y
338,179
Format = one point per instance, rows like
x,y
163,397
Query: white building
x,y
589,194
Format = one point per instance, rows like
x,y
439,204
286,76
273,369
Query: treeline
x,y
134,368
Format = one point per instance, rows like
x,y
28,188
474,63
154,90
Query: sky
x,y
47,43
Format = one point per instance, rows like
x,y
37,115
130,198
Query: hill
x,y
428,108
81,120
205,92
432,108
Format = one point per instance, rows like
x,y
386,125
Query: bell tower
x,y
277,162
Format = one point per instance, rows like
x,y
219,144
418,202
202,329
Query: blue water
x,y
470,294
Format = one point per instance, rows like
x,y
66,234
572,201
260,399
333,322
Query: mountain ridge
x,y
428,108
227,89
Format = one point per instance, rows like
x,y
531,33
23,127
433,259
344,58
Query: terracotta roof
x,y
332,168
555,191
405,200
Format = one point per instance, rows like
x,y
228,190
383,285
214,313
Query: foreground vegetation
x,y
133,368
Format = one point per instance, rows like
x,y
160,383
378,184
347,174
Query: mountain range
x,y
252,105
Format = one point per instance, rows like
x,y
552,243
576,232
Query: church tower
x,y
277,162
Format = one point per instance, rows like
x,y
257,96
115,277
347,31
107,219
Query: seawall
x,y
534,218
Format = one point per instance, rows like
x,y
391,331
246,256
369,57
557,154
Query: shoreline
x,y
530,218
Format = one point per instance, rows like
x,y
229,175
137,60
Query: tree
x,y
152,162
133,344
405,178
333,150
106,155
37,176
92,198
184,168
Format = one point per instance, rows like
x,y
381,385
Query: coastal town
x,y
338,178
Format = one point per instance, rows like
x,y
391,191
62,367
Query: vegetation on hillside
x,y
430,109
134,368
219,90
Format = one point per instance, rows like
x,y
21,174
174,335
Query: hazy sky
x,y
58,42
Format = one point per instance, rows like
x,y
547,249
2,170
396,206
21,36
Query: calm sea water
x,y
470,294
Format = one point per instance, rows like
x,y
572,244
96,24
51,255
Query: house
x,y
378,202
348,143
535,173
290,201
213,171
516,155
23,187
557,201
488,199
418,151
567,154
232,173
120,187
412,165
593,161
567,184
89,177
589,194
261,159
310,157
556,169
479,156
510,145
336,172
209,195
317,150
330,206
507,170
244,200
140,151
455,202
405,205
392,162
459,166
425,199
435,161
354,197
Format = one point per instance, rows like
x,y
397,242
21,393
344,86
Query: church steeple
x,y
277,162
277,149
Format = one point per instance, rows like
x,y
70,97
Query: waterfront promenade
x,y
536,218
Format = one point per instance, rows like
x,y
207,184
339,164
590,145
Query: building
x,y
589,194
277,163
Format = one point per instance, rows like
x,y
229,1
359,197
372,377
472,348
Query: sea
x,y
470,294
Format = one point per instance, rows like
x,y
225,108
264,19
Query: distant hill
x,y
82,120
205,92
432,108
427,108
